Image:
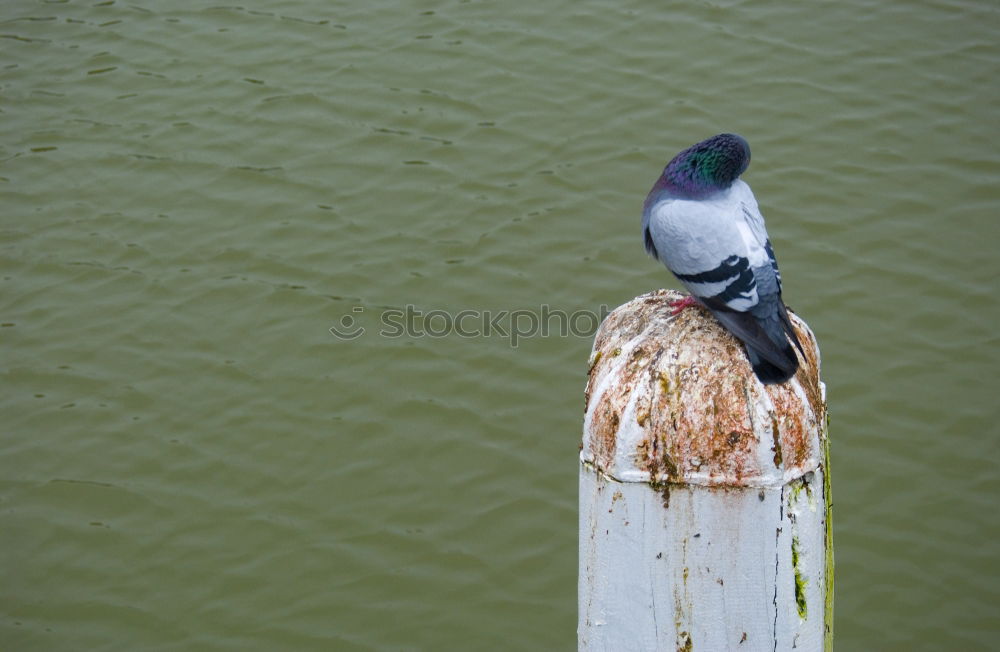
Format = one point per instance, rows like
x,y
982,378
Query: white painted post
x,y
704,495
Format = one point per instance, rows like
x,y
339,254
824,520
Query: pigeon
x,y
702,221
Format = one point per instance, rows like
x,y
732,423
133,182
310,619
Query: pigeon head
x,y
706,167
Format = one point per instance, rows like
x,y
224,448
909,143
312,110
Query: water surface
x,y
193,195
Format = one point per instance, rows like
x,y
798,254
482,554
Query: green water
x,y
193,195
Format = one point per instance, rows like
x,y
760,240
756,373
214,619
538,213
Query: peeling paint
x,y
695,411
828,540
701,514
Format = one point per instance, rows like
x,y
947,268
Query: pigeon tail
x,y
770,373
765,331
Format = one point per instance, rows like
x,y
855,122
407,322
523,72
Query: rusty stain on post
x,y
672,400
704,494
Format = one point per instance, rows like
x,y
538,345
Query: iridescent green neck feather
x,y
704,169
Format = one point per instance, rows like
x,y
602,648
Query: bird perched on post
x,y
702,222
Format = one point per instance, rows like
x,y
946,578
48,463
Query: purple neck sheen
x,y
703,169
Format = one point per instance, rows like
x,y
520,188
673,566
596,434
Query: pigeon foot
x,y
680,304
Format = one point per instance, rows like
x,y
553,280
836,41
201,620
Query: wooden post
x,y
704,495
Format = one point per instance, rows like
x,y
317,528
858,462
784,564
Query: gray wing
x,y
708,247
774,263
754,220
730,285
647,237
722,255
